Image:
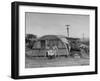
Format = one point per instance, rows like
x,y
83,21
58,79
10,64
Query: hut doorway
x,y
43,44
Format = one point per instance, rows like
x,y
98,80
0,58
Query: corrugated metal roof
x,y
60,37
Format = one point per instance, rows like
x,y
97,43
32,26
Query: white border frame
x,y
53,70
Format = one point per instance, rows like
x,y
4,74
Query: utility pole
x,y
67,30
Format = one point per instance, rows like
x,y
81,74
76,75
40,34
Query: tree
x,y
30,40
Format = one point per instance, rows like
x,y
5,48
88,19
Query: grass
x,y
36,62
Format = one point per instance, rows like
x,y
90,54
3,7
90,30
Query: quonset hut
x,y
41,45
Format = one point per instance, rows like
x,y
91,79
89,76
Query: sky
x,y
55,24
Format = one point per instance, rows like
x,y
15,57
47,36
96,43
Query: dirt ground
x,y
37,62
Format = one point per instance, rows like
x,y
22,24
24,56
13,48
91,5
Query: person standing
x,y
55,50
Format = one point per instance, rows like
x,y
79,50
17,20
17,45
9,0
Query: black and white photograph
x,y
50,40
54,40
